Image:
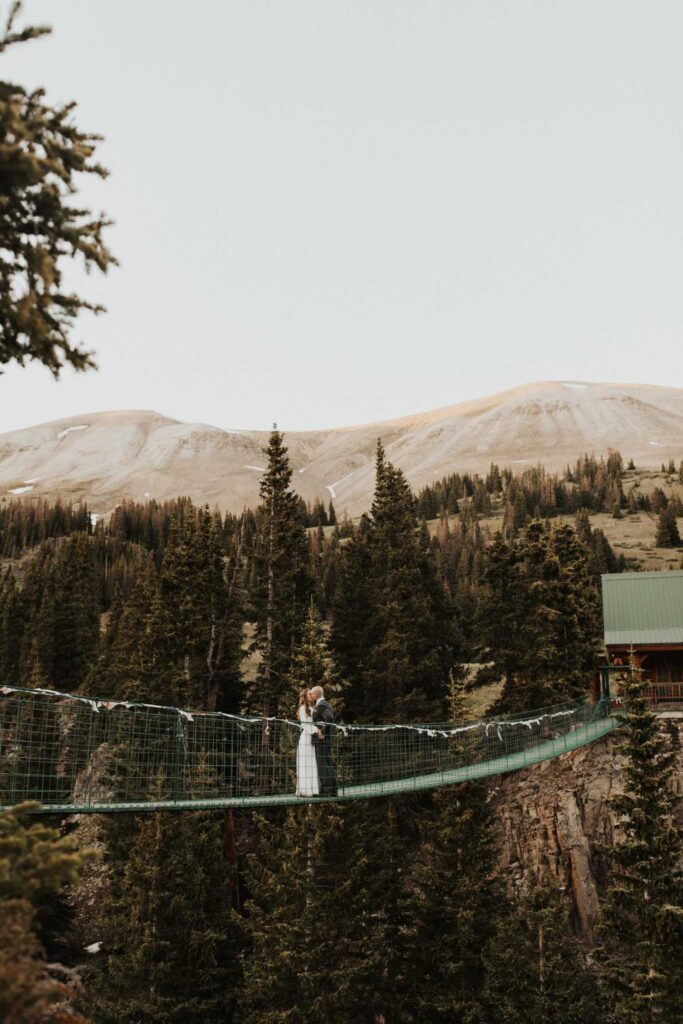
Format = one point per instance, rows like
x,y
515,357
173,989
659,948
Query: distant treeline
x,y
596,485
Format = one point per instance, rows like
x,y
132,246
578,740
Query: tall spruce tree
x,y
131,666
167,920
326,921
539,617
73,621
393,633
170,938
11,629
535,970
200,618
313,665
60,601
456,902
642,933
282,580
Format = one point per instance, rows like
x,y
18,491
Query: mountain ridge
x,y
105,457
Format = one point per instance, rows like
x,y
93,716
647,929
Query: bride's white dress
x,y
307,783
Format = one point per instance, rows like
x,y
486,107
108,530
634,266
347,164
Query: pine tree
x,y
668,535
313,665
11,630
392,624
282,584
505,605
200,619
456,900
74,619
130,667
535,969
642,932
34,863
42,155
293,919
458,705
60,602
539,617
326,920
351,628
170,938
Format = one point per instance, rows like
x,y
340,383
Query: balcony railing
x,y
665,694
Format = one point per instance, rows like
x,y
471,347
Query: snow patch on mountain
x,y
69,430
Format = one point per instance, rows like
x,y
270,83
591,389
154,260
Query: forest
x,y
385,910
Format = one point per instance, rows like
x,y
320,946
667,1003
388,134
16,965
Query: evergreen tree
x,y
351,627
60,601
535,969
73,621
326,922
539,617
177,639
455,904
42,156
642,933
282,583
458,705
132,666
313,665
392,626
199,619
34,863
11,630
170,938
668,535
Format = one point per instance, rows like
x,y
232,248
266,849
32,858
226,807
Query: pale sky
x,y
336,212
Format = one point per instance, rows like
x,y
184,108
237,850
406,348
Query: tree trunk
x,y
231,852
267,659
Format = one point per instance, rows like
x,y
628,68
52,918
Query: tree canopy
x,y
43,155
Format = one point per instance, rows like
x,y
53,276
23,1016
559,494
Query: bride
x,y
307,783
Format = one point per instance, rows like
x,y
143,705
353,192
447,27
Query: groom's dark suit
x,y
323,717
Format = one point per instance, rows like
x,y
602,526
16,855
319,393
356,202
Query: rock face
x,y
108,456
555,814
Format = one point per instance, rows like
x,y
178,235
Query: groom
x,y
323,718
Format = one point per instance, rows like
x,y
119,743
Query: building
x,y
643,613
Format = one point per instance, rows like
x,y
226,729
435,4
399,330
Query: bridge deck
x,y
578,737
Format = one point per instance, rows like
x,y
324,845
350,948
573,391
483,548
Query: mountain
x,y
104,457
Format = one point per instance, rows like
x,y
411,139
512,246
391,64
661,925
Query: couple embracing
x,y
316,774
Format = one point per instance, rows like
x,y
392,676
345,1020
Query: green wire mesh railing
x,y
76,754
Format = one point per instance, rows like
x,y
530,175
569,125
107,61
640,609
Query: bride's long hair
x,y
303,699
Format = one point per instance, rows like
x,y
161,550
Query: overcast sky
x,y
337,212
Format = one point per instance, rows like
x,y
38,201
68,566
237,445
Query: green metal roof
x,y
643,607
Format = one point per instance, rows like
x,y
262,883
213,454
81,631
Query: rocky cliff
x,y
554,816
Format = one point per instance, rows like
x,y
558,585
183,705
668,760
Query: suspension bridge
x,y
76,754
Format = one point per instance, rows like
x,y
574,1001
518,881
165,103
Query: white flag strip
x,y
445,732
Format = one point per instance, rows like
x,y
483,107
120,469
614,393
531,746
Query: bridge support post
x,y
231,852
